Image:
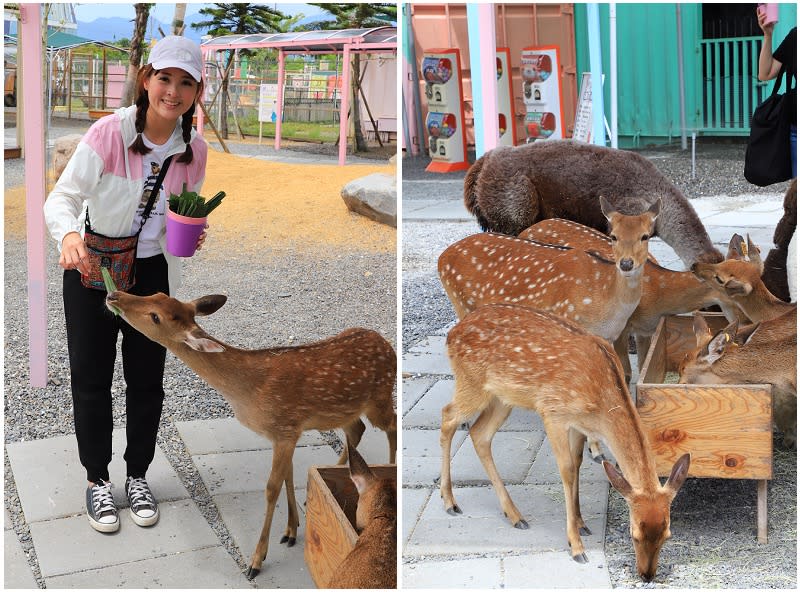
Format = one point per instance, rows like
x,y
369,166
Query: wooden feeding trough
x,y
331,502
726,427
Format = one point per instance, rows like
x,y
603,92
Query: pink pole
x,y
199,112
488,78
343,123
281,76
34,146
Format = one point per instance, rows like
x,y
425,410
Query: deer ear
x,y
606,207
199,341
755,254
736,247
655,209
617,480
205,305
717,345
701,331
678,474
360,472
734,287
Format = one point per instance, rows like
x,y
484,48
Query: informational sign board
x,y
268,103
583,114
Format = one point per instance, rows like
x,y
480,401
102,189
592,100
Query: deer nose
x,y
626,264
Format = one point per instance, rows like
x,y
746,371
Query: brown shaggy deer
x,y
664,292
512,356
373,561
509,189
764,352
280,392
597,293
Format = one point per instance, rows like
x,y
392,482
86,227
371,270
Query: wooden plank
x,y
331,503
655,365
762,511
680,335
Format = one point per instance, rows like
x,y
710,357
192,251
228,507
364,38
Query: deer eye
x,y
645,237
718,280
155,318
613,237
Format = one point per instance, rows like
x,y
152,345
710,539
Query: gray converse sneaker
x,y
144,510
100,507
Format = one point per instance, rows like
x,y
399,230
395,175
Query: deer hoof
x,y
581,558
522,525
251,573
585,530
289,540
454,510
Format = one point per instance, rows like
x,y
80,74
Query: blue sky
x,y
163,11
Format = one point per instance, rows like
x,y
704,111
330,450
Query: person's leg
x,y
793,148
143,365
91,342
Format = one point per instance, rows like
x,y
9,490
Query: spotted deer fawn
x,y
664,292
764,352
506,356
586,287
739,278
373,561
280,392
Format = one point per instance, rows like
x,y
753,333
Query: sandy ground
x,y
270,206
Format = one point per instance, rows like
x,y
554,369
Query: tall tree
x,y
238,18
356,16
179,18
137,49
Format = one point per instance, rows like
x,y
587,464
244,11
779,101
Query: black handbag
x,y
768,158
117,254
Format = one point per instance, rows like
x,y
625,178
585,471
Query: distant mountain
x,y
113,29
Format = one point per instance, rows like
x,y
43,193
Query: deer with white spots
x,y
586,287
664,291
506,356
280,392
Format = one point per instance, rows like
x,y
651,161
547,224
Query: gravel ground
x,y
275,297
713,520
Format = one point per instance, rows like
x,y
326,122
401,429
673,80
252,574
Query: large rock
x,y
373,196
63,149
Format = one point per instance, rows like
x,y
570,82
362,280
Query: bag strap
x,y
782,75
151,202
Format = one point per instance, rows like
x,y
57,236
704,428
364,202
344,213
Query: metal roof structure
x,y
339,41
57,40
327,41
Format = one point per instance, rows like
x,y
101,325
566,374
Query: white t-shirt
x,y
148,239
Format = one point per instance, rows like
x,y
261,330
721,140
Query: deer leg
x,y
576,444
482,432
384,418
451,418
352,432
621,347
281,461
560,442
290,536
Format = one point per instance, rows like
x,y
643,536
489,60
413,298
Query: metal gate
x,y
731,89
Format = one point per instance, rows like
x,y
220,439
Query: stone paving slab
x,y
51,482
513,454
16,569
204,568
414,501
556,570
243,513
422,455
413,389
481,573
69,545
482,528
233,472
427,357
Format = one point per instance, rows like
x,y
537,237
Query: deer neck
x,y
674,292
215,369
628,442
762,305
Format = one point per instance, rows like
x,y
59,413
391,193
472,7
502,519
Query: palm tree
x,y
238,18
178,19
137,49
356,16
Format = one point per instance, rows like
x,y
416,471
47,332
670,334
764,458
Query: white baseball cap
x,y
176,51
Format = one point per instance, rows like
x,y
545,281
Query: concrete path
x,y
181,550
480,548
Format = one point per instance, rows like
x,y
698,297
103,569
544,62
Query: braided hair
x,y
143,103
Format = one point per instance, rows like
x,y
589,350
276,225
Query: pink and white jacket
x,y
105,175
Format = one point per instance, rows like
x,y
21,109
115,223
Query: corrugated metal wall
x,y
518,26
647,68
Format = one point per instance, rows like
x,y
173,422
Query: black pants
x,y
92,342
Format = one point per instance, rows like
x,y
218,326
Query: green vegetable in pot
x,y
192,205
109,283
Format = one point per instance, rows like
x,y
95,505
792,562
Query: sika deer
x,y
764,352
509,189
588,288
512,356
739,278
373,561
281,392
664,292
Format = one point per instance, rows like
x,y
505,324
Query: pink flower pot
x,y
182,233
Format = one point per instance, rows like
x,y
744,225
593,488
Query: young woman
x,y
111,174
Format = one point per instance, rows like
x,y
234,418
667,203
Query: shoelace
x,y
139,493
102,499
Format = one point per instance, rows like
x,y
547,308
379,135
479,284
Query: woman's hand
x,y
201,239
73,253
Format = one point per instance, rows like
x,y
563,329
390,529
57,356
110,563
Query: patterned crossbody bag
x,y
117,254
